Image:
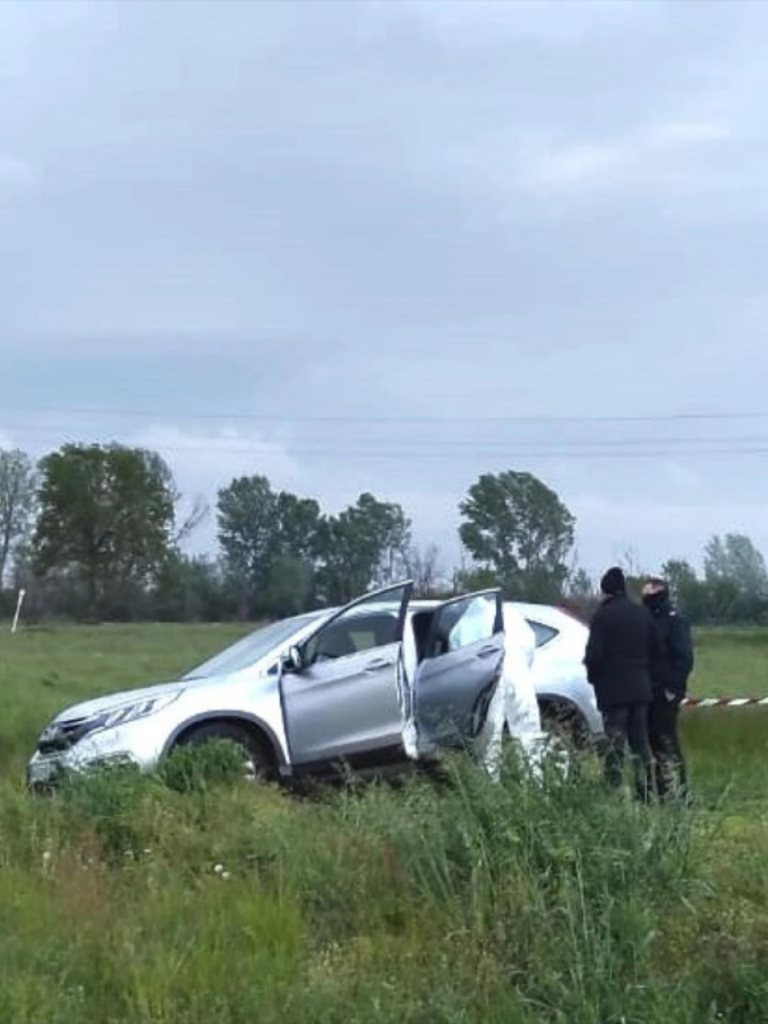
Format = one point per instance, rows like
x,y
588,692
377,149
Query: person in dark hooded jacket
x,y
670,682
623,649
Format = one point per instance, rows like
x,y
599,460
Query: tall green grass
x,y
192,897
459,901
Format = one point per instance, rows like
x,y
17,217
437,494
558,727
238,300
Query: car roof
x,y
545,613
549,615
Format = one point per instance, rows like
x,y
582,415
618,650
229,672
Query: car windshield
x,y
251,648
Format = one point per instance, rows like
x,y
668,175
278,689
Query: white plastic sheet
x,y
408,668
475,624
514,702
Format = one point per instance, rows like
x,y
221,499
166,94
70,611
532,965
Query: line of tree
x,y
95,532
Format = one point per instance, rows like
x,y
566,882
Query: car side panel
x,y
343,707
559,674
452,691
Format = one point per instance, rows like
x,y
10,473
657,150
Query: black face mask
x,y
656,601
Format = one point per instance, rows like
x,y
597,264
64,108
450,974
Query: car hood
x,y
112,701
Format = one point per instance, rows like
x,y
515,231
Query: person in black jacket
x,y
670,682
622,651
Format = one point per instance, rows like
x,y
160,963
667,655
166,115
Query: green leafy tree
x,y
290,580
297,522
247,528
106,516
466,581
17,502
736,577
365,546
519,529
581,596
688,591
269,542
289,585
191,589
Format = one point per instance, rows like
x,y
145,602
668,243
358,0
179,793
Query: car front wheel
x,y
566,726
257,763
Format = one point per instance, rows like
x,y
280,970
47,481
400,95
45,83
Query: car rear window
x,y
543,633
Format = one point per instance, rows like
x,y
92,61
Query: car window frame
x,y
498,625
553,631
358,650
405,585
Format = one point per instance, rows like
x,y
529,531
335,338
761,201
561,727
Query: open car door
x,y
459,668
343,700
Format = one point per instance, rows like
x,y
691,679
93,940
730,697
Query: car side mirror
x,y
294,660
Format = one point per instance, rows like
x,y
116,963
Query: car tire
x,y
568,737
566,726
258,763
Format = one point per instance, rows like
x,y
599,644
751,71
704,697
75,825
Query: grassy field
x,y
124,900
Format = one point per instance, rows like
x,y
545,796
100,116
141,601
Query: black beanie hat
x,y
613,581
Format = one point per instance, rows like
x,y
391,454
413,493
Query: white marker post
x,y
19,603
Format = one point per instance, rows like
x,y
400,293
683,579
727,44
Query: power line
x,y
666,443
405,448
404,454
280,416
626,448
409,453
623,446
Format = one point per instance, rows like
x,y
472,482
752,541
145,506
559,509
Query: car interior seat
x,y
335,643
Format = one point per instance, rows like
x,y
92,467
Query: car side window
x,y
463,623
542,633
352,633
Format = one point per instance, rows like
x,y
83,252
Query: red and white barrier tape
x,y
723,702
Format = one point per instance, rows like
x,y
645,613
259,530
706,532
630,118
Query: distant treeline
x,y
94,532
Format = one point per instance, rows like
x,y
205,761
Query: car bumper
x,y
137,744
45,773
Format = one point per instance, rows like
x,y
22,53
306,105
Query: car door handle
x,y
379,664
486,652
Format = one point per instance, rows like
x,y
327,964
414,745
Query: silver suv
x,y
308,693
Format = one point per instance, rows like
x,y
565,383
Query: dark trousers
x,y
627,725
670,772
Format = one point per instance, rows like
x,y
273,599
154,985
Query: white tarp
x,y
409,664
475,624
514,701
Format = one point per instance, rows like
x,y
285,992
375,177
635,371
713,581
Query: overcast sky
x,y
389,246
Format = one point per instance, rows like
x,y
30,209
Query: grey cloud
x,y
220,194
296,210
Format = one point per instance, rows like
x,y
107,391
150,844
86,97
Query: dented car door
x,y
459,669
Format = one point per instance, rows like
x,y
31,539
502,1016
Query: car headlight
x,y
66,733
130,712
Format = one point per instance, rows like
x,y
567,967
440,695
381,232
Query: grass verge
x,y
125,900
